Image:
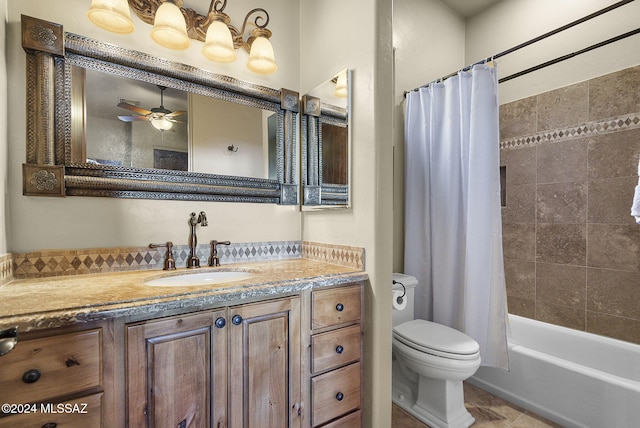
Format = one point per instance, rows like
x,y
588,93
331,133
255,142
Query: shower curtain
x,y
453,227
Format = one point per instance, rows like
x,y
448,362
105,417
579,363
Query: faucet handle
x,y
213,258
169,261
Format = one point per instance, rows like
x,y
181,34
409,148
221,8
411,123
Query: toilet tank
x,y
409,282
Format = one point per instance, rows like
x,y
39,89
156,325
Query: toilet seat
x,y
437,339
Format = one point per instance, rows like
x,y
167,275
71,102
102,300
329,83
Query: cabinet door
x,y
177,373
264,364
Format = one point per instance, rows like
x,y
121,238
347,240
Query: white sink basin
x,y
200,278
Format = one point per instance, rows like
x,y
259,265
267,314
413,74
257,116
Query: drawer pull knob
x,y
339,396
31,376
221,322
339,349
50,425
339,307
236,320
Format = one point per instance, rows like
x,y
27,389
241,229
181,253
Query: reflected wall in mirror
x,y
126,124
326,147
138,124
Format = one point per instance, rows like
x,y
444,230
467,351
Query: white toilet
x,y
430,361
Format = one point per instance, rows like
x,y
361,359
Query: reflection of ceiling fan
x,y
160,117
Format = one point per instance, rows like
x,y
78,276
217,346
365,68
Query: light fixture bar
x,y
174,25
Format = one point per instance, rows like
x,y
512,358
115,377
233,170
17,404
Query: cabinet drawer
x,y
82,412
335,348
39,369
335,393
352,420
335,306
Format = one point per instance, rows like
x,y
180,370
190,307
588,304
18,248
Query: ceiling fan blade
x,y
175,113
133,108
132,118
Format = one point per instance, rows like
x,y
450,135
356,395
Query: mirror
x,y
166,128
326,147
223,139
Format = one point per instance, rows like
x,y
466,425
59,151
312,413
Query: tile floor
x,y
489,411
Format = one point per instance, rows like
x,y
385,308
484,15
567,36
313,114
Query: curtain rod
x,y
568,56
542,37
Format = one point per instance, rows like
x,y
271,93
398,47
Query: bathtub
x,y
573,378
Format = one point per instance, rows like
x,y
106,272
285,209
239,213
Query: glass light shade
x,y
261,58
218,45
169,27
161,124
111,15
341,91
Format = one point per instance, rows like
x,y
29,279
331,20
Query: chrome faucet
x,y
193,261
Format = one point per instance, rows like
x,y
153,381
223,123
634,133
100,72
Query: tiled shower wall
x,y
572,250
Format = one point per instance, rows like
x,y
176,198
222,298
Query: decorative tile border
x,y
336,254
50,263
6,268
605,126
76,262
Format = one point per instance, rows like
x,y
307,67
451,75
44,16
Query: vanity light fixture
x,y
174,25
341,90
112,15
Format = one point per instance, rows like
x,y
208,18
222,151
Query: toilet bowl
x,y
430,361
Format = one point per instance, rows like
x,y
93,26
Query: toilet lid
x,y
436,339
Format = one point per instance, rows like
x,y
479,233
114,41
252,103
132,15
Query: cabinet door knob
x,y
339,307
50,425
221,322
339,349
31,376
339,396
236,320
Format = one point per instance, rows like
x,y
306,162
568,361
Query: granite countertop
x,y
57,301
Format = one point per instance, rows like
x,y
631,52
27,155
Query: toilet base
x,y
438,403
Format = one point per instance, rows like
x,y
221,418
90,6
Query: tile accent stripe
x,y
6,268
598,127
336,254
49,263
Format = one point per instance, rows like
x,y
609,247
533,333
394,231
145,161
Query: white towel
x,y
635,207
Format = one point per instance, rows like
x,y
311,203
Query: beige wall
x,y
50,223
3,135
337,34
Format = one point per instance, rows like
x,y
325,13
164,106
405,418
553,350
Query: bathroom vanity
x,y
283,346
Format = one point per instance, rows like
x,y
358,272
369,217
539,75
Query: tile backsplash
x,y
49,263
572,251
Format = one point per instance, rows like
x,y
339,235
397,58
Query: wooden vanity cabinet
x,y
59,377
333,356
264,364
177,371
235,367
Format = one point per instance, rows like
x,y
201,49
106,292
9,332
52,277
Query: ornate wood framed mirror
x,y
63,159
326,148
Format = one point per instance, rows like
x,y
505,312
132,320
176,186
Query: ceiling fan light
x,y
162,124
218,45
169,27
261,57
111,15
342,90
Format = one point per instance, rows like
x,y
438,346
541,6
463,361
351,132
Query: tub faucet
x,y
193,261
